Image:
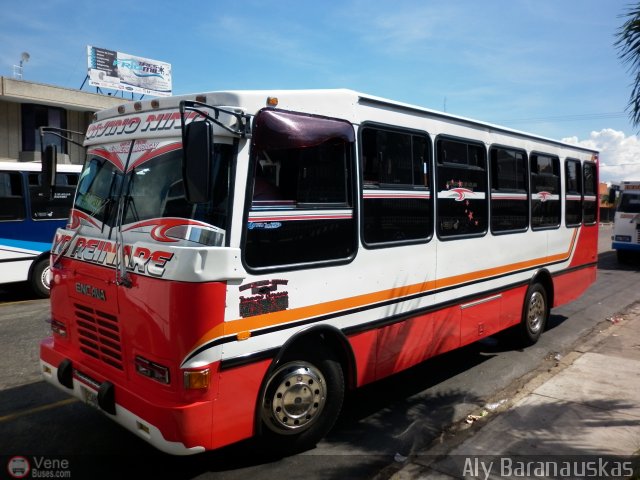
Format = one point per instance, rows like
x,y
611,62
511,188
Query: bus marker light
x,y
142,428
243,335
137,106
155,103
272,101
201,98
120,109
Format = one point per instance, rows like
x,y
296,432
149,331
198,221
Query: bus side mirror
x,y
612,195
49,167
197,161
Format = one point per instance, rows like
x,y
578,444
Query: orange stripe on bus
x,y
258,322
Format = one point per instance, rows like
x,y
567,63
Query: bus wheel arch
x,y
543,277
536,308
40,276
303,390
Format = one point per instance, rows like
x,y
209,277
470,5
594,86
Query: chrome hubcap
x,y
295,397
537,312
46,277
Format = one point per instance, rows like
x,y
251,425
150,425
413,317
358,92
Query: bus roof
x,y
338,103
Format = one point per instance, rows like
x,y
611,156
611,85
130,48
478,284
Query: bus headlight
x,y
153,370
58,328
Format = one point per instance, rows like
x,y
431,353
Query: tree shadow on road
x,y
549,430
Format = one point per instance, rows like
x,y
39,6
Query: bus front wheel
x,y
301,401
535,313
623,256
40,279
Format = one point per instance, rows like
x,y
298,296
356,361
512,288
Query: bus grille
x,y
99,335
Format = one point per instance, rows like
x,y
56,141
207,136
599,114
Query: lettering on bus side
x,y
144,261
265,298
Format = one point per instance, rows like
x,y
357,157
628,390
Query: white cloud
x,y
619,154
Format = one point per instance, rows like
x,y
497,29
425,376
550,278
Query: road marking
x,y
14,302
41,408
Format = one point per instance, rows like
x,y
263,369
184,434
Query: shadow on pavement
x,y
16,292
551,434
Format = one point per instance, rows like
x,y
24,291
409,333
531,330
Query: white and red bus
x,y
236,261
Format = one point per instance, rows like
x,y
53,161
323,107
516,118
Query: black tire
x,y
301,400
623,256
40,279
535,313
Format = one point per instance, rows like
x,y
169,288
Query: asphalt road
x,y
400,415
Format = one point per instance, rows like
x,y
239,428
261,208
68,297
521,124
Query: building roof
x,y
21,91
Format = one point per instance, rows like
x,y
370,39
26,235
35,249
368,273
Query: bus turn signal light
x,y
196,379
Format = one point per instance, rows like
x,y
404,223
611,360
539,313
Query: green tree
x,y
628,45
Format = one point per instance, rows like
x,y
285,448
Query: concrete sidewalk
x,y
585,409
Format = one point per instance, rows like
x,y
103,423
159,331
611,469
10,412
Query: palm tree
x,y
628,44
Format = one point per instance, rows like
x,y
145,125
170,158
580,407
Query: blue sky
x,y
544,66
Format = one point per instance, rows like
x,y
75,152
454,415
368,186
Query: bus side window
x,y
509,190
590,203
545,191
56,208
285,225
265,187
461,187
11,196
573,193
397,206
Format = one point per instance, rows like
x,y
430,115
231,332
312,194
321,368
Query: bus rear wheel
x,y
535,313
40,278
301,401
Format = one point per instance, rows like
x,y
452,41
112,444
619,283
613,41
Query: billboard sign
x,y
121,71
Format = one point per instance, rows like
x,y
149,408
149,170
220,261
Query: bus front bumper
x,y
632,247
59,371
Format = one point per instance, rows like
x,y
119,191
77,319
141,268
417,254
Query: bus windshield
x,y
152,189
